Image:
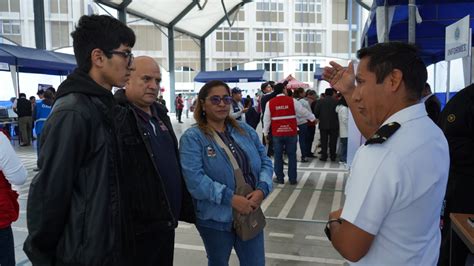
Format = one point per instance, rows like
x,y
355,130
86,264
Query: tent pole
x,y
385,36
412,21
171,66
448,81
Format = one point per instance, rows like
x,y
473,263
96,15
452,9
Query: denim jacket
x,y
209,175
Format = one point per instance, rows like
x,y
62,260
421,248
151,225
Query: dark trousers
x,y
302,139
310,139
154,248
179,112
331,135
25,129
269,144
7,249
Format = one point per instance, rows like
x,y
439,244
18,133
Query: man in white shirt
x,y
394,192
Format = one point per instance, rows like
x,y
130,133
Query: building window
x,y
304,72
308,11
10,27
10,6
59,6
148,37
241,14
275,69
184,43
230,40
340,40
230,64
270,11
308,42
185,69
270,41
59,34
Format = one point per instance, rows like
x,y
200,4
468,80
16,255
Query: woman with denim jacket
x,y
209,176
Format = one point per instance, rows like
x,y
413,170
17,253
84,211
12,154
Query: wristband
x,y
327,229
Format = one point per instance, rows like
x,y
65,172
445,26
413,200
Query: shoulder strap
x,y
239,178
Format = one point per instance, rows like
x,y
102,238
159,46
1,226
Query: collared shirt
x,y
164,155
299,109
396,189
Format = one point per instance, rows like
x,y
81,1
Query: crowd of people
x,y
113,179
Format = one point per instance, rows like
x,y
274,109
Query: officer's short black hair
x,y
385,57
102,32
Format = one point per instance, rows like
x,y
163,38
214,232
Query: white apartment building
x,y
281,36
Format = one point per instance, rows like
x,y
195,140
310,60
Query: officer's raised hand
x,y
341,78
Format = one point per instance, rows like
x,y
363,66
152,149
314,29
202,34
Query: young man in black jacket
x,y
75,214
149,159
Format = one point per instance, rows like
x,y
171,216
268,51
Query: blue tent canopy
x,y
231,76
430,33
31,60
6,58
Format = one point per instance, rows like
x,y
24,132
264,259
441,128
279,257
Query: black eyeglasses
x,y
125,54
216,100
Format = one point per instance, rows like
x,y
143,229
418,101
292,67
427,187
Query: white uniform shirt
x,y
10,164
395,191
299,110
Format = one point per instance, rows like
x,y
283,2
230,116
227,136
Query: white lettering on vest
x,y
281,107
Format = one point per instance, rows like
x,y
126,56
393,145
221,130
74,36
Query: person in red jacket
x,y
12,172
280,115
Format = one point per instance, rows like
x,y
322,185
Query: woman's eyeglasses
x,y
125,54
216,100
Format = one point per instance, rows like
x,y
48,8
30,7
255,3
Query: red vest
x,y
283,115
9,208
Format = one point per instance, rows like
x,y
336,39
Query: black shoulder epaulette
x,y
383,133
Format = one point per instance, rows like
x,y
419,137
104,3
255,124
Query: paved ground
x,y
295,214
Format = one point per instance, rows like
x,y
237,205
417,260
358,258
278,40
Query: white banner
x,y
457,39
4,66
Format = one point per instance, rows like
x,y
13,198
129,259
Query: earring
x,y
203,113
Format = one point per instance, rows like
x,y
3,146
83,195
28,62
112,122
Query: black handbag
x,y
245,226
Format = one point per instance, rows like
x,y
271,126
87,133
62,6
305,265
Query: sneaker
x,y
304,160
293,182
278,181
323,159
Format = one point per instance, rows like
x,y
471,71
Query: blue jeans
x,y
219,244
303,139
343,150
287,143
7,249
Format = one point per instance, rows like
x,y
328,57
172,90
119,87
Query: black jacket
x,y
23,107
144,187
325,111
74,210
433,108
457,122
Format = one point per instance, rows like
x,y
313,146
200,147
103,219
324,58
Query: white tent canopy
x,y
196,18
